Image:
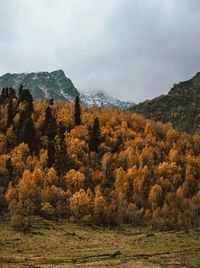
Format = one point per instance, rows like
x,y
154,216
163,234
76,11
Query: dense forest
x,y
180,106
98,166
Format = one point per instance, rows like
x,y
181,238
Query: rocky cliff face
x,y
181,106
42,85
55,85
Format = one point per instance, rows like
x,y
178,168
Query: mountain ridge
x,y
56,85
181,106
103,99
42,84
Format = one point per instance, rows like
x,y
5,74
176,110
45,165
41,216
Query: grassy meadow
x,y
66,244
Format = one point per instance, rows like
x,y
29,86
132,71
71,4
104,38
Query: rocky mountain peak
x,y
103,99
55,85
42,85
59,72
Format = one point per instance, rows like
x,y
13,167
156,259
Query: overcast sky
x,y
133,49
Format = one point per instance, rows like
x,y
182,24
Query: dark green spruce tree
x,y
26,97
20,91
26,130
29,135
77,114
63,162
94,136
61,158
22,118
50,125
60,151
9,167
5,93
10,113
50,128
11,92
51,102
51,153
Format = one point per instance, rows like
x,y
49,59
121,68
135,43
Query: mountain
x,y
103,100
42,85
181,106
55,85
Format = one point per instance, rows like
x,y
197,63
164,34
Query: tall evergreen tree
x,y
61,159
20,91
50,128
29,134
94,136
22,118
11,92
48,115
51,102
26,131
4,94
9,167
77,115
26,97
51,153
10,113
50,125
61,130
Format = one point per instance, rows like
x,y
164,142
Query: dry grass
x,y
64,244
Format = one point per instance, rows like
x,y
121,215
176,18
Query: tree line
x,y
102,166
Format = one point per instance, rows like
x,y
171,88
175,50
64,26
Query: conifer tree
x,y
29,134
61,159
48,115
49,124
22,118
51,153
11,92
9,167
10,113
20,91
95,136
61,130
26,97
77,114
26,131
4,94
51,102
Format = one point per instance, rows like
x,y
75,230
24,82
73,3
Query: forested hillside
x,y
102,166
180,106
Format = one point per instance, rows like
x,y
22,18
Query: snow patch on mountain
x,y
103,99
45,90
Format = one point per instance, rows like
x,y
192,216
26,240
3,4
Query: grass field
x,y
65,244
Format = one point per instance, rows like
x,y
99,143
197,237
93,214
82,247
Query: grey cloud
x,y
134,50
7,26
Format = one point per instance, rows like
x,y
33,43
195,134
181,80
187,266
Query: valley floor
x,y
64,244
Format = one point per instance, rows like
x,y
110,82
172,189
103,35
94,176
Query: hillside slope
x,y
181,106
115,167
